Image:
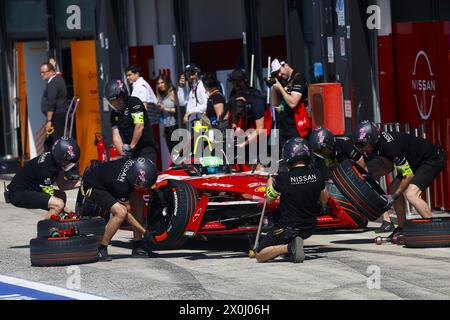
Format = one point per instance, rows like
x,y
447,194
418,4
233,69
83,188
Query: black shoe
x,y
398,232
296,250
386,227
142,251
103,255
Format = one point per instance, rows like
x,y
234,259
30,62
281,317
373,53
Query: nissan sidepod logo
x,y
421,87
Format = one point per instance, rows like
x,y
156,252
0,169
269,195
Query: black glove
x,y
391,200
126,150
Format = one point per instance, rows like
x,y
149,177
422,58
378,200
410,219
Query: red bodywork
x,y
231,203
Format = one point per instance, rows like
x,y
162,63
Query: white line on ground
x,y
49,289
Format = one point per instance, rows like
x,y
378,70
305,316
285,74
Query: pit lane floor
x,y
340,265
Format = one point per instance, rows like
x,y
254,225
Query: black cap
x,y
192,67
237,75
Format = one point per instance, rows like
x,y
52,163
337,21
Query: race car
x,y
210,198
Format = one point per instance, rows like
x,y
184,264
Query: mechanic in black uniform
x,y
32,187
132,135
247,113
333,150
417,161
110,186
131,131
300,188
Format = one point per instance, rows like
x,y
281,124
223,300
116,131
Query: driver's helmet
x,y
212,164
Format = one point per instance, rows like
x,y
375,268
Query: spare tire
x,y
427,233
360,221
87,226
361,190
64,252
170,209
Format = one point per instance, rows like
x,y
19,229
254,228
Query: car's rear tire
x,y
362,191
170,209
427,233
72,251
86,226
360,221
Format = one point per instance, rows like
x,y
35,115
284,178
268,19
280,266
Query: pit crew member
x,y
300,189
417,161
32,186
110,186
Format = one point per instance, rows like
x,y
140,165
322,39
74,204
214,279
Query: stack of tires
x,y
62,251
427,233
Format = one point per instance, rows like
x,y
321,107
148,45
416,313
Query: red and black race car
x,y
224,200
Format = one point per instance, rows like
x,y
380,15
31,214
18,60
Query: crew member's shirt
x,y
125,120
406,151
257,107
111,177
300,191
214,99
37,175
197,99
298,86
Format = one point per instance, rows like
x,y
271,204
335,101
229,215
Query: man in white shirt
x,y
143,91
196,101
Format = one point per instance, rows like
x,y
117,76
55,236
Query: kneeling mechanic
x,y
300,189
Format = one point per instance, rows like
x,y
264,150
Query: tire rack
x,y
385,182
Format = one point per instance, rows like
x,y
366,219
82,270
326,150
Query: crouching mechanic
x,y
300,189
333,150
417,161
110,186
32,187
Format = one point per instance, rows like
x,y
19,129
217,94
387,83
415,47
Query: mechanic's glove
x,y
391,200
126,150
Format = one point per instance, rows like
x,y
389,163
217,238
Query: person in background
x,y
143,91
239,81
53,104
290,101
167,103
217,110
196,101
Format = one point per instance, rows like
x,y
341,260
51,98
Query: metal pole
x,y
427,193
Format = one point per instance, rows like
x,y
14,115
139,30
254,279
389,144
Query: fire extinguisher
x,y
101,148
113,153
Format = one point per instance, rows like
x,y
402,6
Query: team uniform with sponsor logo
x,y
106,183
32,187
300,191
126,119
289,117
413,155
